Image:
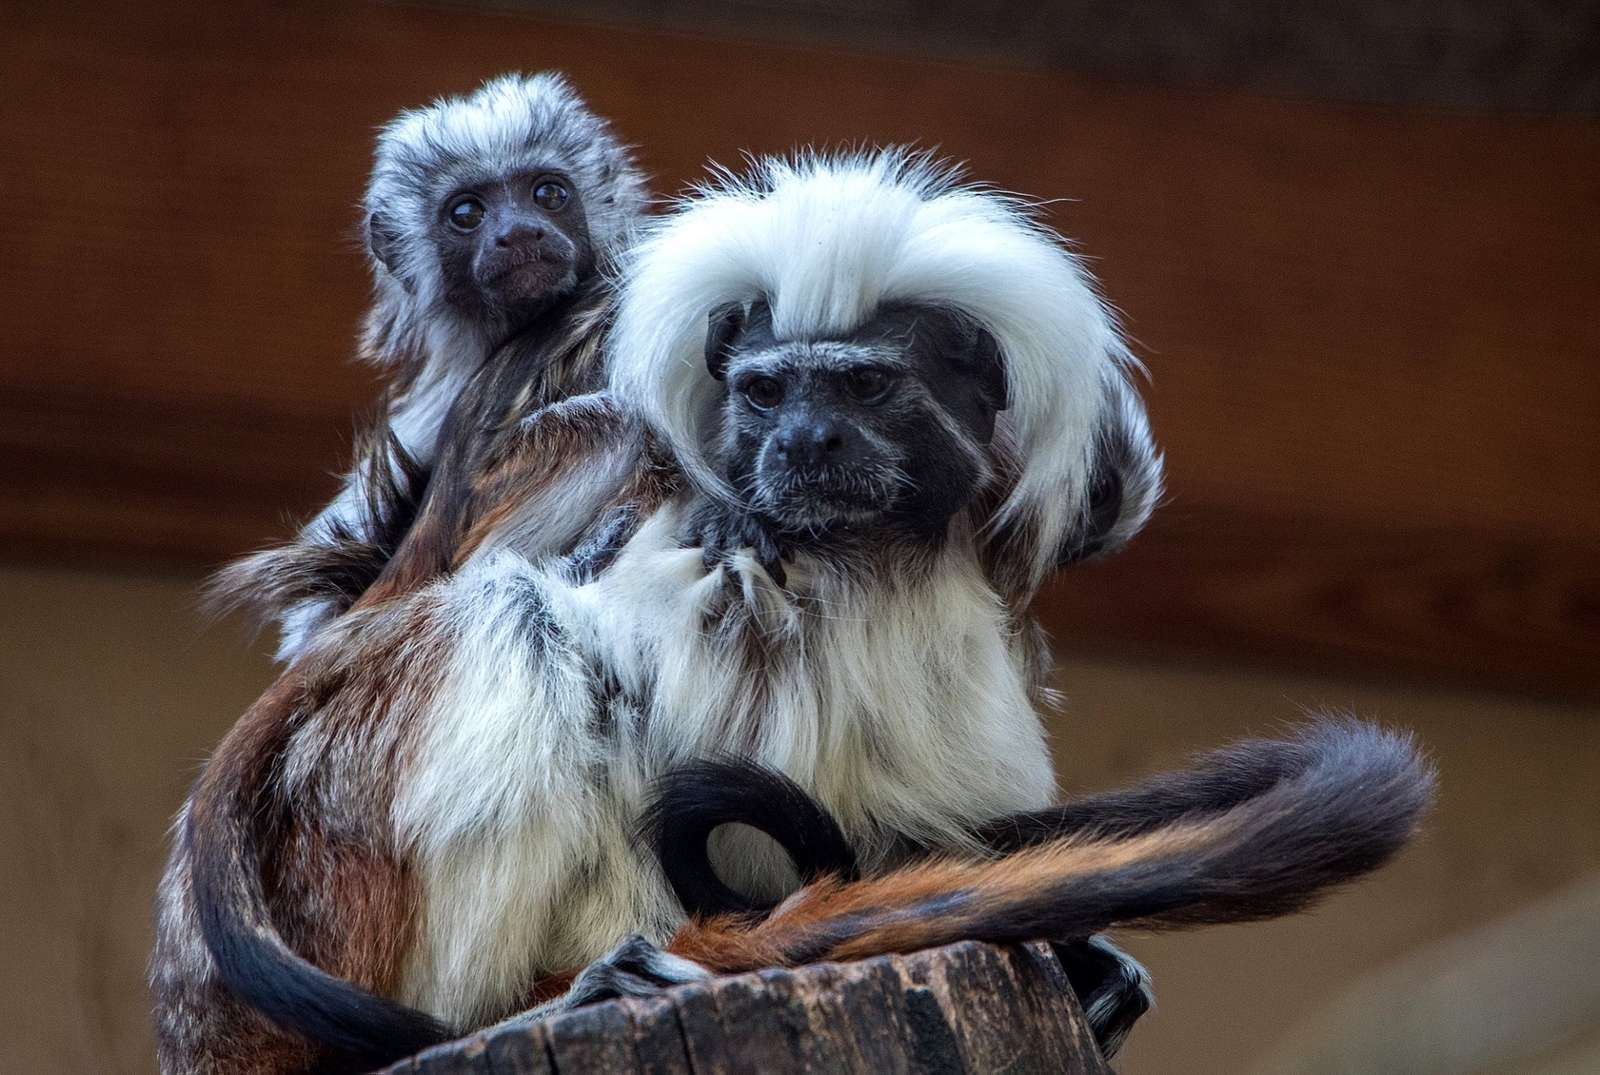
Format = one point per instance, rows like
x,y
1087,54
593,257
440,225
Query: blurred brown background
x,y
1357,244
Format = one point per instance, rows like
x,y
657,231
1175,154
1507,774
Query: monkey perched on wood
x,y
428,817
491,222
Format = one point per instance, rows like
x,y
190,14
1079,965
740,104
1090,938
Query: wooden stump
x,y
969,1008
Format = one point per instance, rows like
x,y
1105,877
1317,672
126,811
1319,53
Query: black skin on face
x,y
508,246
815,421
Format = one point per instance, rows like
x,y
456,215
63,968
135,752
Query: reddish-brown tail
x,y
1258,830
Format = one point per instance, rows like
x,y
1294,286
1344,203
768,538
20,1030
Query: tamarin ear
x,y
991,367
720,334
383,239
1125,483
1104,510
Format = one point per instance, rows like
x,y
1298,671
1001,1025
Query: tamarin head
x,y
883,337
883,428
484,210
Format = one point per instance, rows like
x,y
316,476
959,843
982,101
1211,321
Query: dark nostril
x,y
809,446
518,237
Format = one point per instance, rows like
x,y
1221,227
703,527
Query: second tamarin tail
x,y
1256,830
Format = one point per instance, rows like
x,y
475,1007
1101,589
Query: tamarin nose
x,y
519,233
811,444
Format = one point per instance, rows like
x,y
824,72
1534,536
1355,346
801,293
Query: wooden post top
x,y
968,1009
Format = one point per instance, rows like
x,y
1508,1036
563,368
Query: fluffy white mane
x,y
826,240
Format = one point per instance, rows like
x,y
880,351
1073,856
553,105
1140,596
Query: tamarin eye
x,y
550,195
867,385
764,393
466,213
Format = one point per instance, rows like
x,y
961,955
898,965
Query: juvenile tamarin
x,y
429,814
490,223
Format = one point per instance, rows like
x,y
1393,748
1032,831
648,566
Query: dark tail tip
x,y
364,1030
1261,828
694,799
1356,797
1372,785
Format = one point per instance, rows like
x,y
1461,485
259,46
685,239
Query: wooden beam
x,y
1371,333
967,1007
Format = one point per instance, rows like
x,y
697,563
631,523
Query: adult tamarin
x,y
491,221
429,813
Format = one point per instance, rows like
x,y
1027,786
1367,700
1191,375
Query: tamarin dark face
x,y
884,428
508,245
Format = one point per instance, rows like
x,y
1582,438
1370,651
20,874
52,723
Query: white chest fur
x,y
903,707
900,704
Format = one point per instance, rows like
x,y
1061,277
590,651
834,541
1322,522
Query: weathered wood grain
x,y
523,1053
968,1009
657,1036
1371,331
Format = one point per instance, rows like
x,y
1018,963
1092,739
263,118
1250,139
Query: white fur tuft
x,y
826,241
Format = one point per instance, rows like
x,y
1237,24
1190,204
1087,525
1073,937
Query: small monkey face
x,y
506,246
811,429
886,427
518,241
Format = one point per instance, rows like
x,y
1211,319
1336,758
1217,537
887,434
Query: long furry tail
x,y
232,806
1258,830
